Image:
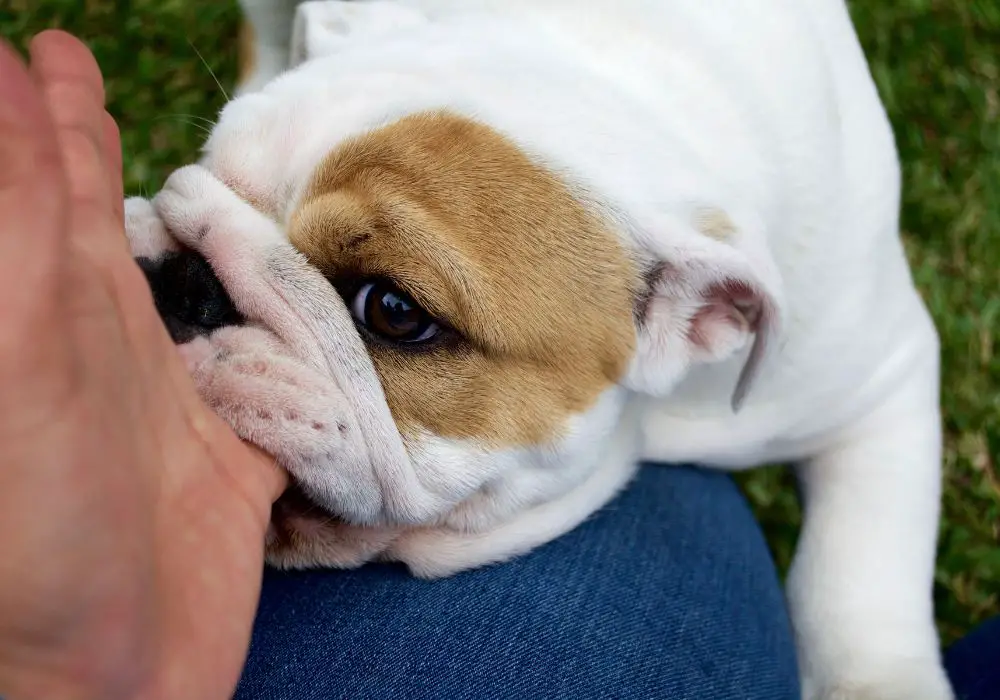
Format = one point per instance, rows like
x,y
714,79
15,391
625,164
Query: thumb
x,y
273,479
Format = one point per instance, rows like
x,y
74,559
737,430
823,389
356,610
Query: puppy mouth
x,y
304,535
291,510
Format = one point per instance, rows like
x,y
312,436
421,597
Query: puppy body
x,y
659,231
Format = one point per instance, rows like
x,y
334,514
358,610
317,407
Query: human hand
x,y
132,519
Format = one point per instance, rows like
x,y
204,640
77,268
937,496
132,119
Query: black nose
x,y
189,297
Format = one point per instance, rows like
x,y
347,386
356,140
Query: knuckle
x,y
74,102
80,153
85,170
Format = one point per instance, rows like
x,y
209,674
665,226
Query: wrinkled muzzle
x,y
273,349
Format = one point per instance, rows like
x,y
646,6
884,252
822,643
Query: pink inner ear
x,y
721,326
744,299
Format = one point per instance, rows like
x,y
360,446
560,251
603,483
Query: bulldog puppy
x,y
479,257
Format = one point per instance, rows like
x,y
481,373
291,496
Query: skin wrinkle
x,y
329,370
493,245
385,488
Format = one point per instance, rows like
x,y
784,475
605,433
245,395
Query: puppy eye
x,y
389,313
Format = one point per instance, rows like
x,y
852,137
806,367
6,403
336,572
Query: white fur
x,y
147,236
436,552
505,483
653,111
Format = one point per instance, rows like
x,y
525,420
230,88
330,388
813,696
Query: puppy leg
x,y
265,42
860,587
147,236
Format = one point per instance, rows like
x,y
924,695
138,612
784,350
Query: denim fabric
x,y
669,592
973,663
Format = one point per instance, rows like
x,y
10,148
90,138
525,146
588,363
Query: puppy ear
x,y
705,300
321,27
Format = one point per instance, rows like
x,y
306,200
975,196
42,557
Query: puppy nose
x,y
189,297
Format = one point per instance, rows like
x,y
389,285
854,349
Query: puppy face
x,y
495,303
497,308
504,310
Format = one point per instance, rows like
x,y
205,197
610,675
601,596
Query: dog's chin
x,y
303,535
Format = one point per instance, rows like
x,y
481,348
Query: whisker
x,y
199,127
206,120
210,71
325,518
187,120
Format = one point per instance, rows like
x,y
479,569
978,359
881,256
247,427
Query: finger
x,y
247,472
273,479
74,89
33,218
33,201
113,157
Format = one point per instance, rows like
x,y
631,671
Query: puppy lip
x,y
295,503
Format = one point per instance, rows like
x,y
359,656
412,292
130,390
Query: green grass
x,y
937,64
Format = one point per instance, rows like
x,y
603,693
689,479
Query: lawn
x,y
168,64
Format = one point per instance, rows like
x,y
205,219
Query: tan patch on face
x,y
247,47
539,291
715,224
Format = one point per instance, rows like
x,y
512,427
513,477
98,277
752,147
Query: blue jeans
x,y
668,592
973,663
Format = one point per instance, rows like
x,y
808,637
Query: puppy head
x,y
505,308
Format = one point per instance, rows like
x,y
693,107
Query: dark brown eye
x,y
389,313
